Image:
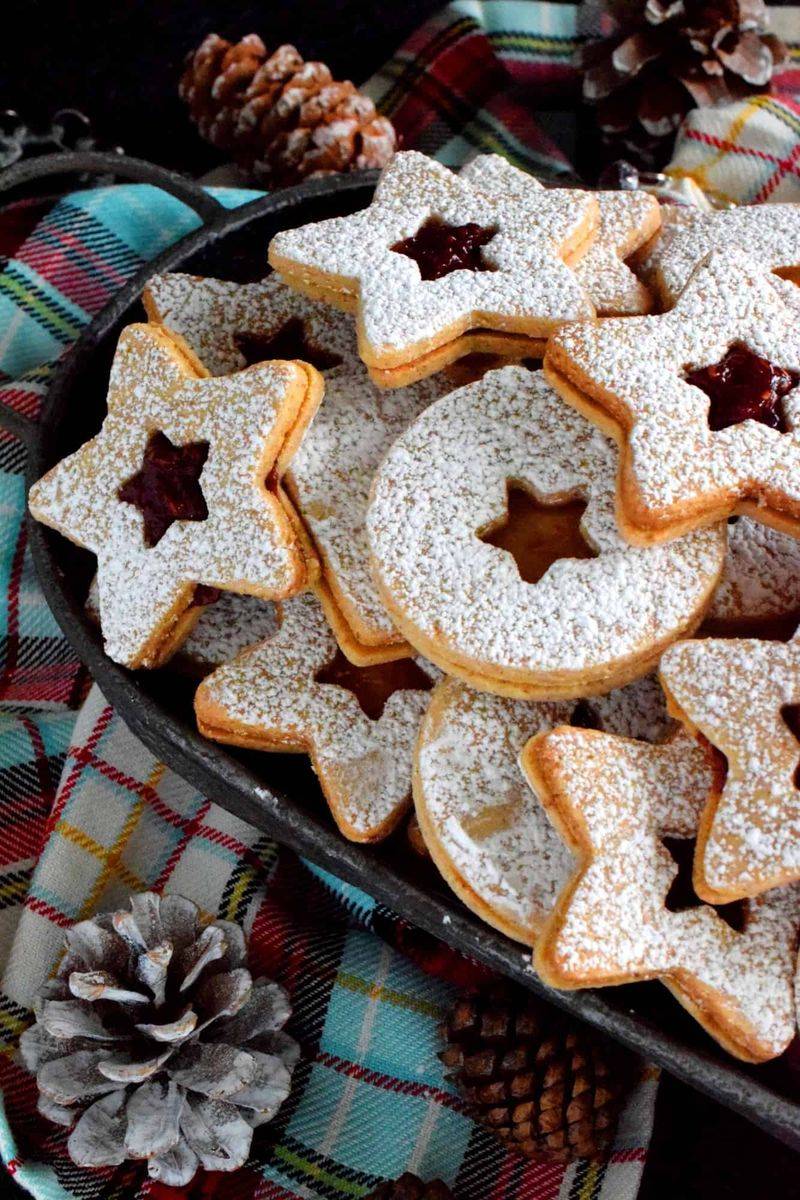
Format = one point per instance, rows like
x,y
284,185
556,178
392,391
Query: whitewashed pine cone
x,y
156,1043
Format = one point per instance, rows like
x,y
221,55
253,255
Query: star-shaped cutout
x,y
628,220
332,471
740,695
284,695
523,288
633,378
617,802
231,435
769,232
166,488
289,341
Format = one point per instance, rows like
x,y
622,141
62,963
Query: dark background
x,y
119,63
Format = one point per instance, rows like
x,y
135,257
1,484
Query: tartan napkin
x,y
88,815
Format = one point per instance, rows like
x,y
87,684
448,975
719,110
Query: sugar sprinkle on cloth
x,y
89,816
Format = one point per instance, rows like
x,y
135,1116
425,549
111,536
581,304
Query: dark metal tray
x,y
278,793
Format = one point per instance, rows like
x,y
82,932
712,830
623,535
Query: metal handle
x,y
91,162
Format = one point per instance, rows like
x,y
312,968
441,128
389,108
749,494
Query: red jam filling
x,y
289,342
742,386
372,686
682,896
204,595
438,248
167,487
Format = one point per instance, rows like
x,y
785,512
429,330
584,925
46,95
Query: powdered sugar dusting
x,y
223,629
761,577
227,627
769,232
626,796
467,597
528,289
636,366
473,794
269,692
627,220
332,471
245,544
733,692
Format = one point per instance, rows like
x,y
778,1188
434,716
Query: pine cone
x,y
411,1187
282,119
547,1087
141,1037
672,55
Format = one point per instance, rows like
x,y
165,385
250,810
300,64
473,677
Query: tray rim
x,y
213,771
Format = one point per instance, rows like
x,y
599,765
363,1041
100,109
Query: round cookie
x,y
482,824
591,621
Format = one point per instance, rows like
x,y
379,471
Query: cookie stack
x,y
465,592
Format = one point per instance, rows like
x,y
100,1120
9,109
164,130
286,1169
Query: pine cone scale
x,y
667,57
544,1088
282,119
155,1043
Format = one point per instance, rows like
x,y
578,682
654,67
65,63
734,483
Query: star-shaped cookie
x,y
769,232
332,471
628,811
628,220
483,826
434,258
743,695
703,400
180,488
293,692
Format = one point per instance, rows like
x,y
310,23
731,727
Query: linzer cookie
x,y
435,262
629,812
770,233
628,220
297,692
332,471
496,550
171,494
482,824
760,587
703,400
743,695
228,623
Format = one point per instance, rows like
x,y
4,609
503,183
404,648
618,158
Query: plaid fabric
x,y
369,1098
88,815
743,153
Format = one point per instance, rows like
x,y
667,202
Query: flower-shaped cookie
x,y
703,400
295,692
628,810
628,219
743,695
590,612
482,824
769,232
175,490
332,471
434,258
